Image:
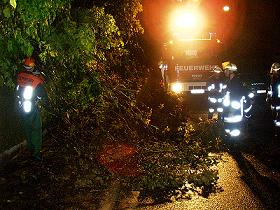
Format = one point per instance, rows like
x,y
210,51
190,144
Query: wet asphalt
x,y
249,173
235,192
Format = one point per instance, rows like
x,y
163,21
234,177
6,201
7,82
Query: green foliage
x,y
23,28
72,46
77,53
126,13
177,160
170,165
91,57
13,3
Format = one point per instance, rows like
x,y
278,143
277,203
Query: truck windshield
x,y
191,50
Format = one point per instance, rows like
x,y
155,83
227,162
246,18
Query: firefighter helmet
x,y
231,67
275,67
29,63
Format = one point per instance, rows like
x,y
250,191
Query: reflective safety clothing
x,y
30,91
215,88
273,98
238,91
275,90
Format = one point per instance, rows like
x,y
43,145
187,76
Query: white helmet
x,y
275,67
231,67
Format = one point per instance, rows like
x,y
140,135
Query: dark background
x,y
250,32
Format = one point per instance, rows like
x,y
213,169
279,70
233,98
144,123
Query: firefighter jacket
x,y
30,91
236,87
215,85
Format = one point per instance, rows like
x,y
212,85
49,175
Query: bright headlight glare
x,y
185,18
186,22
177,87
27,106
27,92
235,105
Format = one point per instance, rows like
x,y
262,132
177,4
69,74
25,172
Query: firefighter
x,y
216,86
234,83
30,91
236,89
234,102
163,68
273,97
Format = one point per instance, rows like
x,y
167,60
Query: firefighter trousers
x,y
32,126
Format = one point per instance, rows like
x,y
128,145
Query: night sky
x,y
260,35
251,31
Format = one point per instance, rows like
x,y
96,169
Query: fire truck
x,y
187,64
188,60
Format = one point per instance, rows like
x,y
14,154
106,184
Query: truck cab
x,y
187,64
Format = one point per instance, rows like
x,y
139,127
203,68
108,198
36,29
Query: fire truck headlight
x,y
251,95
27,92
235,104
177,87
186,21
226,8
186,18
27,106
